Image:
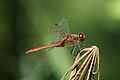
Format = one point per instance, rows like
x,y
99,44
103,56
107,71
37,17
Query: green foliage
x,y
26,24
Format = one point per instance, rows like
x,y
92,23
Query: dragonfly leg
x,y
73,50
79,46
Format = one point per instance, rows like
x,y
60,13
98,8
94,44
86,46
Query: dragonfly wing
x,y
60,30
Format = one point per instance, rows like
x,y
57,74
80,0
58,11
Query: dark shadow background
x,y
25,24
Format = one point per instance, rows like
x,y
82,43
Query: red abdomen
x,y
59,44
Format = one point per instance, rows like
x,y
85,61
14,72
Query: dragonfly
x,y
61,37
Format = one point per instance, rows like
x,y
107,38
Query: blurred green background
x,y
25,24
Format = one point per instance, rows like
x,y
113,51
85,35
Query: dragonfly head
x,y
81,36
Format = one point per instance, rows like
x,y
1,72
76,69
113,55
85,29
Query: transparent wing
x,y
60,30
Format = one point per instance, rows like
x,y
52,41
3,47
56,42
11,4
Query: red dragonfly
x,y
61,37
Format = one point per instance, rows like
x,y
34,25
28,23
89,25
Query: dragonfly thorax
x,y
70,39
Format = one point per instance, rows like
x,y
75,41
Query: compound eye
x,y
82,36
